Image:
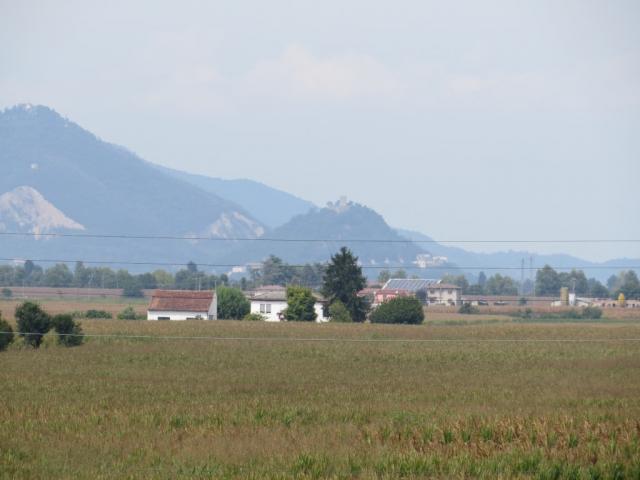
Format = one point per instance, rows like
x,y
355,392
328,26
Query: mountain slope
x,y
271,206
25,209
105,189
103,186
330,228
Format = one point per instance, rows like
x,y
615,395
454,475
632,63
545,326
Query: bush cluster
x,y
97,314
130,314
338,312
468,309
34,323
585,313
399,310
69,332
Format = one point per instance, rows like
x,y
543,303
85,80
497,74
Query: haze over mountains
x,y
56,177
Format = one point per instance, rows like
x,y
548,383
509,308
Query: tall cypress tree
x,y
343,280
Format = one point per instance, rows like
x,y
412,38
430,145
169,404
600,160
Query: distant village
x,y
270,301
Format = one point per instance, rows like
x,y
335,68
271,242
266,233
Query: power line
x,y
341,340
378,267
311,240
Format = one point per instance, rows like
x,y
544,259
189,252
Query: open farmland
x,y
278,402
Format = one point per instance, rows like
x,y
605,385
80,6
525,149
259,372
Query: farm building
x,y
183,305
270,302
434,292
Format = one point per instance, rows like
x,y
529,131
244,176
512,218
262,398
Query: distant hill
x,y
333,227
513,258
270,206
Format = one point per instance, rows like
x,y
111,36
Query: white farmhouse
x,y
270,302
183,305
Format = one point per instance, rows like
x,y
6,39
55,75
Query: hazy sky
x,y
463,120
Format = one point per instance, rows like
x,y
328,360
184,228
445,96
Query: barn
x,y
183,305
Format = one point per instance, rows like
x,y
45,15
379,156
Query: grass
x,y
198,408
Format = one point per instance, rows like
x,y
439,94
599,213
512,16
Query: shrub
x,y
33,323
7,293
131,288
399,310
97,314
300,304
339,313
468,309
591,312
254,317
6,334
130,314
232,304
69,332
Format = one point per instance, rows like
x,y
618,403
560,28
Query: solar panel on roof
x,y
409,284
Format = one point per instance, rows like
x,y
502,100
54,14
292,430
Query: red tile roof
x,y
181,300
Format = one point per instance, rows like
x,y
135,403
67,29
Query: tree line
x,y
548,282
274,271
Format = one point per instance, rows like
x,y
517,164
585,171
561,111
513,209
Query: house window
x,y
449,292
164,318
265,308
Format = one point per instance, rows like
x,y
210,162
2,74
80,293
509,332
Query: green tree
x,y
232,304
339,313
6,334
399,310
33,323
458,280
69,332
501,285
575,280
163,279
132,289
384,276
58,276
547,282
596,289
7,293
300,304
275,271
343,280
399,274
629,285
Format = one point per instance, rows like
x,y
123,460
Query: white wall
x,y
273,306
442,296
278,306
173,315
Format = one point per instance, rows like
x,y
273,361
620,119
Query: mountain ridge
x,y
271,206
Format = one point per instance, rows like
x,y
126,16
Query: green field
x,y
277,402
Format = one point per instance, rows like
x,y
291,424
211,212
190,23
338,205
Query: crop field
x,y
495,400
